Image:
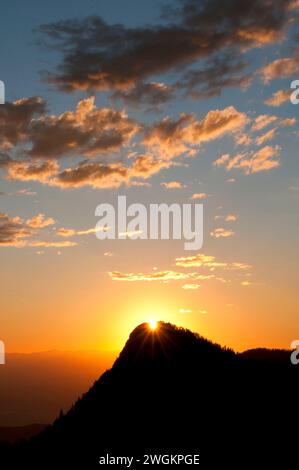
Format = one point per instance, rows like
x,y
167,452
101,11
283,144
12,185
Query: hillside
x,y
171,390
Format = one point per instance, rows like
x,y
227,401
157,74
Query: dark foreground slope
x,y
171,391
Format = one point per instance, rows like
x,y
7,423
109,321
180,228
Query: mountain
x,y
173,392
268,355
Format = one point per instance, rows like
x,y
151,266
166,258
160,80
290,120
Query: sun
x,y
153,325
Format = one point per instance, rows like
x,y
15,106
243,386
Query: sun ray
x,y
153,325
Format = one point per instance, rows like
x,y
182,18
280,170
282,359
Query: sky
x,y
163,102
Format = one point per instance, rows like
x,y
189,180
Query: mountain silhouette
x,y
173,392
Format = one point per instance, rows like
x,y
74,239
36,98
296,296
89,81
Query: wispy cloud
x,y
40,221
200,196
278,98
226,218
280,68
19,192
20,233
172,185
185,310
222,233
265,137
172,138
231,218
191,286
209,261
263,121
264,159
69,232
164,276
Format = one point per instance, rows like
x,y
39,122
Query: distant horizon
x,y
117,351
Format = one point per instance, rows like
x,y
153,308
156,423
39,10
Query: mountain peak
x,y
165,345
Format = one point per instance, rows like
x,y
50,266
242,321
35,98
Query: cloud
x,y
20,192
100,56
227,218
25,192
198,261
185,310
191,286
49,244
264,159
12,230
16,119
139,184
280,68
209,81
65,232
40,171
243,139
278,98
287,122
93,174
40,221
171,138
19,233
222,161
151,94
200,196
265,137
222,233
172,185
87,132
210,262
164,276
130,233
108,253
112,175
231,218
69,232
263,121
